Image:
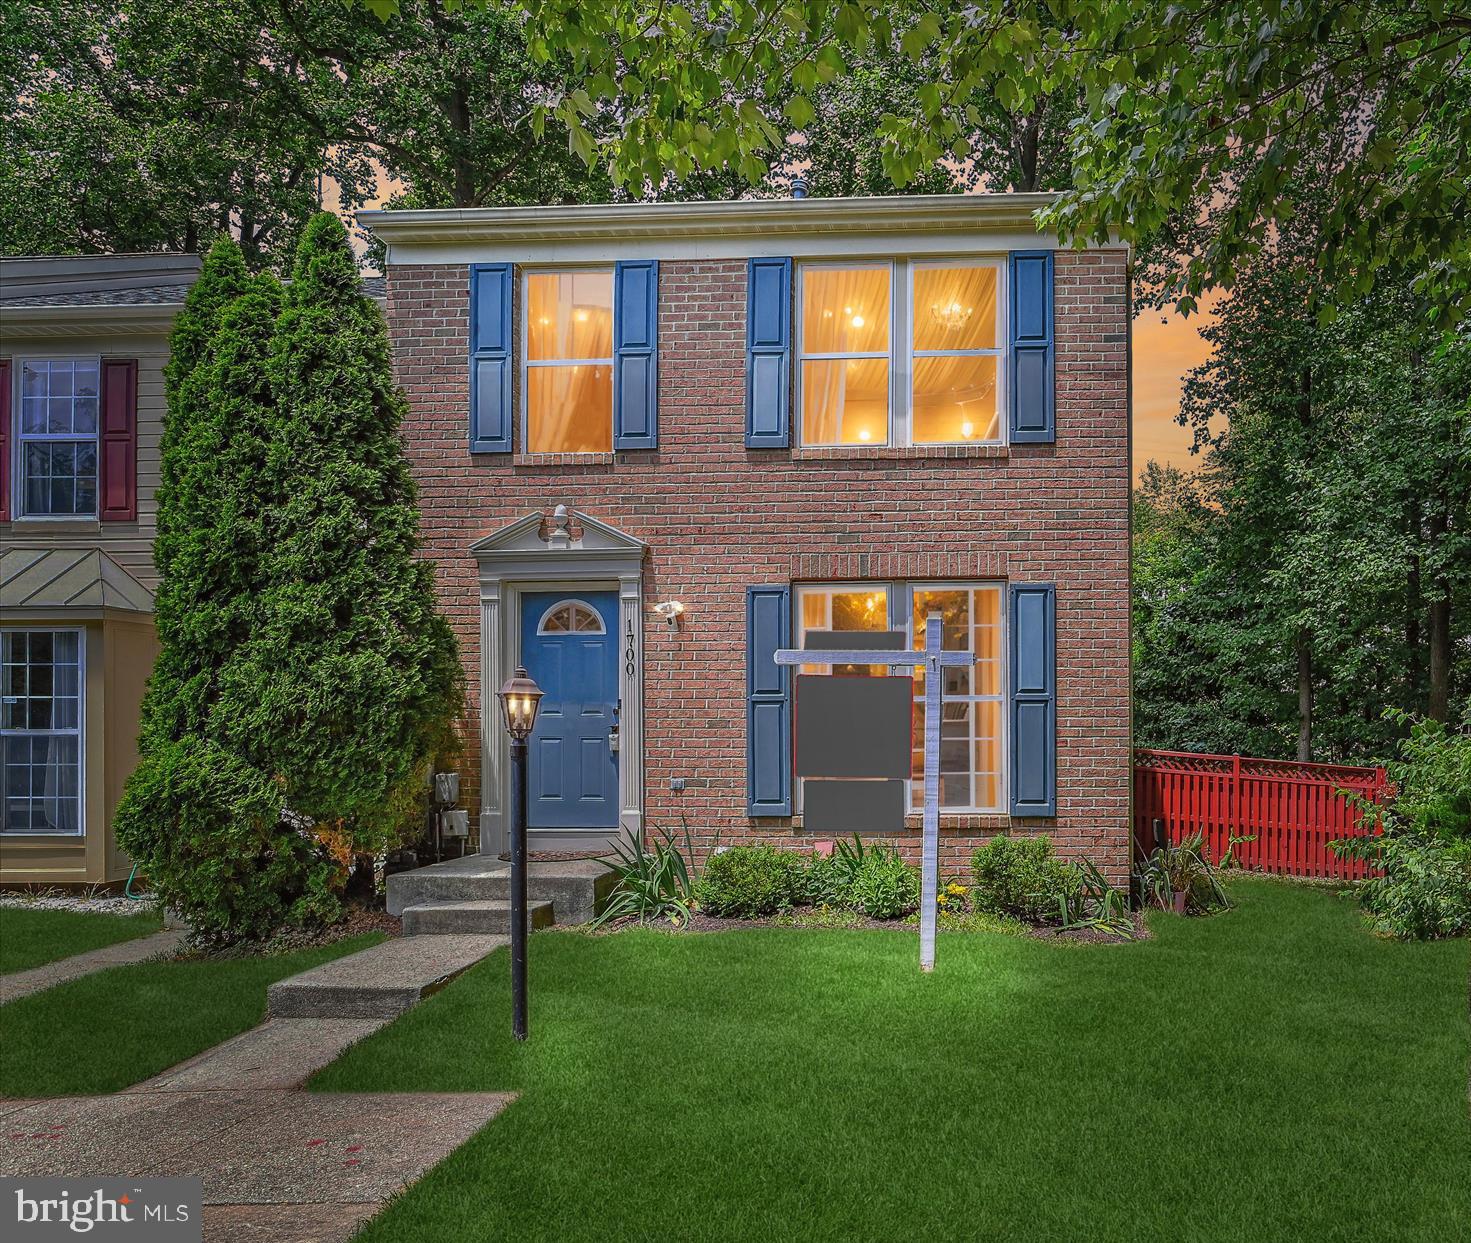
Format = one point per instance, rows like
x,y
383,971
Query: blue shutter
x,y
768,702
636,354
1033,406
769,354
1033,626
490,358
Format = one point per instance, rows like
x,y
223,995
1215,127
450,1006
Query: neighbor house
x,y
83,342
656,442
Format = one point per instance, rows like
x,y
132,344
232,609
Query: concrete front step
x,y
379,982
491,917
576,888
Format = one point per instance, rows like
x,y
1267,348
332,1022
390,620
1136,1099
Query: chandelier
x,y
951,315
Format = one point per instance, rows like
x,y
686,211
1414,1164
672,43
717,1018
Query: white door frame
x,y
517,559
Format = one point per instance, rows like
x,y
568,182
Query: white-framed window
x,y
901,352
42,703
57,404
973,717
567,361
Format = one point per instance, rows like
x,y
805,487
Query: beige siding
x,y
130,648
120,649
130,544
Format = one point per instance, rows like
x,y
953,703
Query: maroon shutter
x,y
117,449
4,440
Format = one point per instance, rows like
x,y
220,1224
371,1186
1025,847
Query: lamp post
x,y
519,697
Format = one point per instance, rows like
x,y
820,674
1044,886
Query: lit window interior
x,y
569,362
954,391
970,720
859,609
845,356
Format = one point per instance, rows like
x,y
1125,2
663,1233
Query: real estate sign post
x,y
932,660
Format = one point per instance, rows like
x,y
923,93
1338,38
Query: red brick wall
x,y
718,517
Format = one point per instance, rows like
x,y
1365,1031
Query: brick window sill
x,y
896,452
982,822
563,459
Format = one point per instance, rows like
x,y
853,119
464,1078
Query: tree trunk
x,y
1304,698
1414,667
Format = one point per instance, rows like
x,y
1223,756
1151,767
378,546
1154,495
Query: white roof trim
x,y
33,322
930,223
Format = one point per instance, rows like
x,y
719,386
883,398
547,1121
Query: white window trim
x,y
901,352
525,363
18,438
80,732
900,607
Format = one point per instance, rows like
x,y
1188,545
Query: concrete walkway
x,y
277,1166
382,981
48,975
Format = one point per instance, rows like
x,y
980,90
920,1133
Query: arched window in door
x,y
570,617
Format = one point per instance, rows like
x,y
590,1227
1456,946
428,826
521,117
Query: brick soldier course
x,y
719,517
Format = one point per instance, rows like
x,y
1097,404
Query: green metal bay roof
x,y
35,580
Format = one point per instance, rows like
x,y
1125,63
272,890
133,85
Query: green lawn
x,y
1274,1073
29,937
106,1031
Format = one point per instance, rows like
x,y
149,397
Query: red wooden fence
x,y
1291,811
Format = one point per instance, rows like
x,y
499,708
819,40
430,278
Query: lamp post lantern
x,y
520,698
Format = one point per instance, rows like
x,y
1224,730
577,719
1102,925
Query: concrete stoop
x,y
454,914
574,887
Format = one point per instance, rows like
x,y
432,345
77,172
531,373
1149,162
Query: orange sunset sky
x,y
1166,346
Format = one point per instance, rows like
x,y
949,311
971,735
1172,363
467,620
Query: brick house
x,y
655,442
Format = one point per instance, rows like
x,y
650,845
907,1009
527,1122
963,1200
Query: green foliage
x,y
1096,904
750,882
151,124
207,827
1195,116
1318,566
1425,891
884,886
1182,869
651,884
826,881
1021,877
348,675
1424,845
304,679
1432,779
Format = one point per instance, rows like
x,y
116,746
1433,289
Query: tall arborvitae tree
x,y
204,821
352,675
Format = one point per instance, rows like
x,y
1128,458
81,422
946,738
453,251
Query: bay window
x,y
903,352
971,725
41,704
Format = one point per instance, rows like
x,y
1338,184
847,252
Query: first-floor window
x,y
971,736
57,424
41,730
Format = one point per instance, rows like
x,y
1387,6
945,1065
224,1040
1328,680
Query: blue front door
x,y
569,646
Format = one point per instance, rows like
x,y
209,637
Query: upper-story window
x,y
56,426
568,376
907,352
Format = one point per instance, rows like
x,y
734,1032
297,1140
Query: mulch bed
x,y
357,921
709,923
